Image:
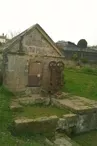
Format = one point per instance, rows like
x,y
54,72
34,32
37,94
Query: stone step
x,y
15,106
34,99
64,141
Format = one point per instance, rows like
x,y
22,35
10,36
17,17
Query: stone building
x,y
32,62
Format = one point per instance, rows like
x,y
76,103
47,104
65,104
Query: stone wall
x,y
76,124
82,117
75,64
34,43
89,56
43,125
16,73
69,124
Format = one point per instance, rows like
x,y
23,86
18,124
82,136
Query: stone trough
x,y
83,116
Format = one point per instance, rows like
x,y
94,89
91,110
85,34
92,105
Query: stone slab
x,y
15,106
38,125
77,104
35,99
64,141
67,123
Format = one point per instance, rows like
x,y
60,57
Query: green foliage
x,y
75,57
88,70
84,60
81,83
1,77
82,43
87,139
4,91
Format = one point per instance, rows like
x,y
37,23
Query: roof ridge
x,y
42,31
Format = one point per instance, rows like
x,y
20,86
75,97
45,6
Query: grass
x,y
37,111
87,139
6,118
81,83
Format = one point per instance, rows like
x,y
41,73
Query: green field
x,y
81,82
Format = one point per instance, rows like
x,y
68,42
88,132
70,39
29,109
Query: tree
x,y
82,43
12,34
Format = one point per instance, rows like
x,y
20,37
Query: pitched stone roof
x,y
8,45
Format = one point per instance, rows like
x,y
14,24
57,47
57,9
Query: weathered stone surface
x,y
35,99
57,103
62,95
86,118
78,123
32,90
71,119
68,123
62,142
86,122
65,141
15,106
43,125
77,104
48,142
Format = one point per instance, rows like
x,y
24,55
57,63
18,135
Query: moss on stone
x,y
36,111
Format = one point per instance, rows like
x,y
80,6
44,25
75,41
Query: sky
x,y
68,20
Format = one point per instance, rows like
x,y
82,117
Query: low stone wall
x,y
80,120
74,64
43,125
86,122
70,124
90,56
77,124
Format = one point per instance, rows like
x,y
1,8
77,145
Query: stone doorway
x,y
34,73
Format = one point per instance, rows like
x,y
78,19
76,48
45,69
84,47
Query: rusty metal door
x,y
53,76
34,74
56,78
